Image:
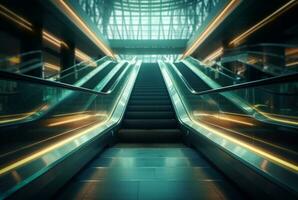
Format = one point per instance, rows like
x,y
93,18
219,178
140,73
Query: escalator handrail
x,y
74,66
36,80
262,45
117,81
257,83
227,76
83,62
232,53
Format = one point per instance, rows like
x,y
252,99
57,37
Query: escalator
x,y
149,155
135,141
222,111
61,106
199,84
92,82
150,116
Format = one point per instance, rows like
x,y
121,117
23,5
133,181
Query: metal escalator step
x,y
164,97
149,136
150,115
149,123
150,102
149,108
149,93
152,91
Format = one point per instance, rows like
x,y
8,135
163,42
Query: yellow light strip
x,y
15,59
70,114
82,56
52,39
74,119
80,24
224,118
253,138
261,152
25,115
292,64
291,51
51,66
233,120
46,150
218,52
15,18
263,22
211,27
277,119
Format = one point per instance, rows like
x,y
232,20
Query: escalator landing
x,y
149,171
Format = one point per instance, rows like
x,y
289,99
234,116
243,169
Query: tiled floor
x,y
149,172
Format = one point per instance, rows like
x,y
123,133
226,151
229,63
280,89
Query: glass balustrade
x,y
38,117
264,118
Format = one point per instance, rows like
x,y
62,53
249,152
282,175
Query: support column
x,y
67,60
32,40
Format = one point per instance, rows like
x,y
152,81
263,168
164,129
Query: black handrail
x,y
214,70
117,80
36,80
74,66
268,81
257,83
262,45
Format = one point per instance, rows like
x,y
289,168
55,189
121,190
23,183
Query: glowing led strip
x,y
15,18
78,22
267,155
263,22
212,26
277,119
252,138
218,52
233,120
57,42
82,56
292,64
26,115
52,39
74,119
46,150
51,66
224,118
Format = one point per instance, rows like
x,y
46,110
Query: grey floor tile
x,y
133,171
104,173
149,162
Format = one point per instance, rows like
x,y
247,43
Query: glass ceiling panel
x,y
151,58
148,19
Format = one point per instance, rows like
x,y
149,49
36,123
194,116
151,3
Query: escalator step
x,y
149,136
149,93
150,115
149,123
164,97
150,102
150,108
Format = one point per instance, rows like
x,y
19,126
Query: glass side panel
x,y
264,118
221,76
78,71
34,117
